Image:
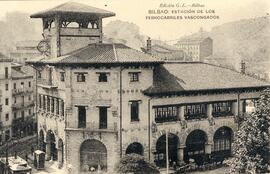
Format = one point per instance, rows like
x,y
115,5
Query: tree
x,y
251,146
135,164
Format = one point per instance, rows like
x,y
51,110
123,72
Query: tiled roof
x,y
192,40
18,74
73,8
197,76
100,53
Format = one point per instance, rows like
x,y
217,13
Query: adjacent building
x,y
98,102
197,48
17,101
25,50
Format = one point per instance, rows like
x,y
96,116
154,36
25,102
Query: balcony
x,y
199,116
45,83
93,127
79,32
17,106
166,119
21,91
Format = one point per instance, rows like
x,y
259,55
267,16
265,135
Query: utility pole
x,y
167,152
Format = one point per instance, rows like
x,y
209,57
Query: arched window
x,y
50,139
222,142
73,25
160,156
135,148
195,147
93,154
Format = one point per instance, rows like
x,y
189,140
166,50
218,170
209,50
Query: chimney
x,y
243,67
148,45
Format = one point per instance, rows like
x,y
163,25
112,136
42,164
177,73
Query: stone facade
x,y
17,101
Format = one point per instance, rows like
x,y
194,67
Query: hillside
x,y
18,26
247,39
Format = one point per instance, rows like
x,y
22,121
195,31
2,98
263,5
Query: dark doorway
x,y
160,156
222,143
93,153
195,147
135,148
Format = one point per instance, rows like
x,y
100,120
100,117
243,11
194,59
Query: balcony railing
x,y
93,126
45,83
222,114
21,91
166,119
17,106
195,116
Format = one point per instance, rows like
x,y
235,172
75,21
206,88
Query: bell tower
x,y
69,27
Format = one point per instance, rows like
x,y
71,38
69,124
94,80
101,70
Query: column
x,y
48,151
45,103
234,108
181,114
180,153
51,104
55,105
60,157
208,147
60,107
209,111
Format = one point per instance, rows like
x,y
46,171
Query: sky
x,y
135,11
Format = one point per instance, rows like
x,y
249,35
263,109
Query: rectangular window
x,y
29,112
39,100
22,115
15,100
15,115
39,74
103,117
6,87
22,84
80,77
6,72
134,111
220,109
7,117
134,76
44,102
103,77
29,84
166,114
52,105
62,76
195,111
81,116
48,103
57,107
7,135
29,97
14,86
6,101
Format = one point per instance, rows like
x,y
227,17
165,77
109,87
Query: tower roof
x,y
73,8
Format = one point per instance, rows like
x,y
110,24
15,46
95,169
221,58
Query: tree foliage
x,y
251,146
135,164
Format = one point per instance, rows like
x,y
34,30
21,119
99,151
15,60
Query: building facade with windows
x,y
196,48
17,101
101,101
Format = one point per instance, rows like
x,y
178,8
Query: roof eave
x,y
50,14
149,93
